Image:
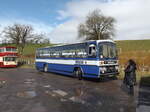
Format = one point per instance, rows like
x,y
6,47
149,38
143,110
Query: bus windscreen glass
x,y
107,50
11,50
9,58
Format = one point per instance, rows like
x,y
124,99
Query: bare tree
x,y
97,27
18,34
46,41
39,38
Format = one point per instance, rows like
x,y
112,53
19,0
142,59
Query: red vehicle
x,y
8,56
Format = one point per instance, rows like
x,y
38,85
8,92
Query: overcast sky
x,y
59,19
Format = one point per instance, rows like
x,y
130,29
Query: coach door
x,y
92,51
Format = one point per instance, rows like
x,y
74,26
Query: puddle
x,y
79,92
99,103
2,82
27,94
28,81
38,108
31,72
60,92
121,110
56,93
77,100
143,108
47,86
79,95
63,100
50,93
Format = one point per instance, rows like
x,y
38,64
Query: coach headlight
x,y
103,69
101,56
117,61
101,62
117,67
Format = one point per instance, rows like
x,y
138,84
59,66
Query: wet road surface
x,y
27,90
144,95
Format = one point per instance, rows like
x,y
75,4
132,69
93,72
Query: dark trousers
x,y
131,90
129,82
134,78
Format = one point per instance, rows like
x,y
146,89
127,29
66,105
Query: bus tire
x,y
45,68
78,73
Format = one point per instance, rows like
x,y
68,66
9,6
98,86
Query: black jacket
x,y
130,74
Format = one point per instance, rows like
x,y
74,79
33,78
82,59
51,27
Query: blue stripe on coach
x,y
68,69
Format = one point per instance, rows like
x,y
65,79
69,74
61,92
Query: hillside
x,y
134,45
139,50
30,49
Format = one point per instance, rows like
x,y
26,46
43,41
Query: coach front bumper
x,y
109,70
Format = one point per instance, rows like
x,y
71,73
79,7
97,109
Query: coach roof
x,y
97,41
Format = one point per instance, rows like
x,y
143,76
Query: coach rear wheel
x,y
78,73
46,68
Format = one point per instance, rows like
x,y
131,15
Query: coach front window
x,y
92,50
107,50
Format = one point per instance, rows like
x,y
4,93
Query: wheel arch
x,y
44,65
78,67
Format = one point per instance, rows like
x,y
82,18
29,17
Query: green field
x,y
134,45
30,49
139,50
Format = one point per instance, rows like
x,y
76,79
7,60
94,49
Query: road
x,y
27,90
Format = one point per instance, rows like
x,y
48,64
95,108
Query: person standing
x,y
130,75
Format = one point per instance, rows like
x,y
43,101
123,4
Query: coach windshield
x,y
107,50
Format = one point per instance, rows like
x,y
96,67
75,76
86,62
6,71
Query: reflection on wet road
x,y
33,91
144,95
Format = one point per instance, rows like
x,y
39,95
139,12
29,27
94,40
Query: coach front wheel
x,y
46,68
